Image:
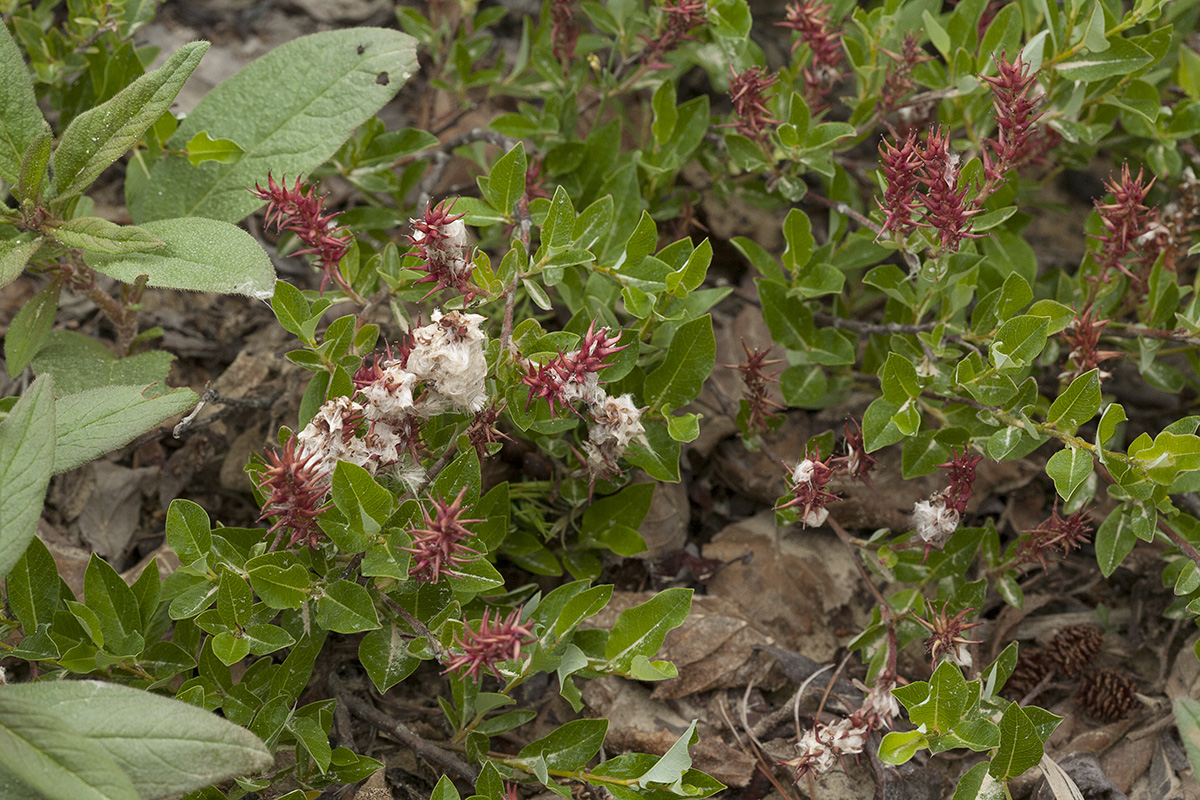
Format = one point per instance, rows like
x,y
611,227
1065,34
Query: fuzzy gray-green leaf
x,y
289,111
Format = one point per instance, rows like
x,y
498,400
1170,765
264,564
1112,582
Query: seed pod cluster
x,y
1073,649
1107,694
1032,665
1069,654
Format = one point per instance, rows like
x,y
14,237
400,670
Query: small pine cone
x,y
1107,694
1074,647
1032,666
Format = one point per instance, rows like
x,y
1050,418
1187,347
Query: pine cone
x,y
1073,649
1107,694
1032,665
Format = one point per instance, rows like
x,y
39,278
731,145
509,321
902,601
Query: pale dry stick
x,y
763,765
800,692
745,718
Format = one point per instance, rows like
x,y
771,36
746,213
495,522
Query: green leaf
x,y
33,167
230,648
622,512
346,607
1093,37
20,119
559,228
506,181
674,764
1068,468
797,233
977,784
13,258
1187,718
898,747
201,255
641,242
690,276
937,34
689,361
43,750
789,321
365,503
1078,404
1122,57
78,363
1020,748
950,695
184,749
665,112
1114,540
384,655
570,746
97,235
640,630
279,580
32,587
188,531
234,599
101,135
444,790
26,464
94,422
30,327
899,379
307,97
1018,341
265,639
201,148
111,598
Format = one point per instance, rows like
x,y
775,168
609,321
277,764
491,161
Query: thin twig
x,y
862,326
418,744
524,231
439,158
914,263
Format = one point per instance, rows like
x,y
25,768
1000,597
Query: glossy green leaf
x,y
1068,468
640,630
1020,748
202,147
1122,57
384,654
506,180
1078,403
346,607
569,746
1018,341
898,747
689,361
